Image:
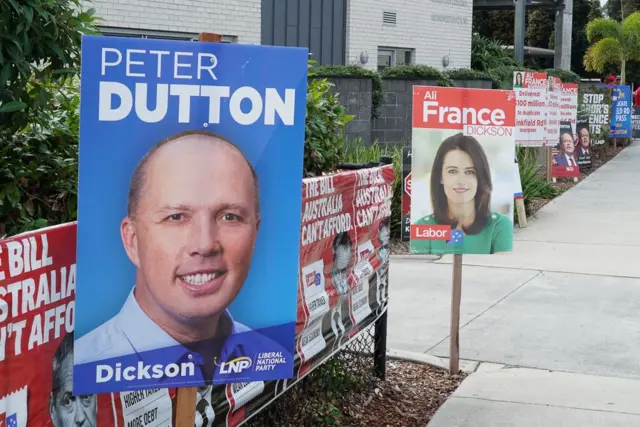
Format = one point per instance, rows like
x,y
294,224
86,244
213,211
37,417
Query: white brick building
x,y
391,32
394,32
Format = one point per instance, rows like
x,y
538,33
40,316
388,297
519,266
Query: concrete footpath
x,y
559,317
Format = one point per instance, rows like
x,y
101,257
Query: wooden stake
x,y
522,213
186,399
210,37
456,296
549,163
186,407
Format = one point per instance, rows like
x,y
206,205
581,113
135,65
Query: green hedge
x,y
418,72
564,75
469,74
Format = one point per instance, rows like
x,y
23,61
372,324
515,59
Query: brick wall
x,y
240,18
434,28
395,121
355,95
396,118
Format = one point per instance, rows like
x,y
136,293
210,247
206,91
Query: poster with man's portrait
x,y
188,213
583,151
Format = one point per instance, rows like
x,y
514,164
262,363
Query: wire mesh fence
x,y
323,396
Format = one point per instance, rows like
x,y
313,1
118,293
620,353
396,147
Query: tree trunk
x,y
623,71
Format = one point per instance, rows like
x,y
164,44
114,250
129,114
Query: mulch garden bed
x,y
410,396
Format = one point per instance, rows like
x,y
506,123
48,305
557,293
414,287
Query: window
x,y
390,57
155,34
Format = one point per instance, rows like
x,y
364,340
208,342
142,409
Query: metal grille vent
x,y
388,18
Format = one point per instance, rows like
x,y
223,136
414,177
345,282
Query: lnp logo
x,y
235,366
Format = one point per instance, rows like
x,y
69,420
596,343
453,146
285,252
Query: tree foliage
x,y
39,45
39,168
495,24
540,30
487,54
326,119
612,42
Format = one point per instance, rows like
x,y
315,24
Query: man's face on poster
x,y
585,139
195,227
384,243
340,269
567,143
67,410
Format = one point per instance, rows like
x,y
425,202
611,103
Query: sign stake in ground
x,y
456,295
186,399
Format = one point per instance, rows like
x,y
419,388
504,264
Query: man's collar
x,y
144,334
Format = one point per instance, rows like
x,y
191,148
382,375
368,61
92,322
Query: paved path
x,y
567,300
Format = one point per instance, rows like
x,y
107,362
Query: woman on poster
x,y
460,188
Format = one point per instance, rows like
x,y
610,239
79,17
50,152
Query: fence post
x,y
380,331
380,346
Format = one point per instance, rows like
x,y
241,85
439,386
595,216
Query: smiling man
x,y
192,221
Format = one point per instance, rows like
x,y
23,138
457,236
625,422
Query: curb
x,y
466,366
432,258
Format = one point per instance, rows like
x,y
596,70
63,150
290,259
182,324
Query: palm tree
x,y
612,42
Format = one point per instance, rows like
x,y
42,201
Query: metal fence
x,y
354,369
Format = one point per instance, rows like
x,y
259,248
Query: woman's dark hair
x,y
519,77
482,199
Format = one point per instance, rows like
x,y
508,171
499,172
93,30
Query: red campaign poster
x,y
372,218
327,254
344,236
565,171
37,303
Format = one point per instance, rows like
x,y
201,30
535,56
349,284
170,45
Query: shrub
x,y
358,152
565,75
39,171
418,72
356,71
326,119
488,54
468,74
40,44
534,186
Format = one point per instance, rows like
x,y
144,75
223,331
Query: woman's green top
x,y
496,236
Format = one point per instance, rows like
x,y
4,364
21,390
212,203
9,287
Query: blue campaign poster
x,y
621,111
190,174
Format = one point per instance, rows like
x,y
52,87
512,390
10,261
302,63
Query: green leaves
x,y
39,44
613,43
12,106
601,28
39,171
534,186
325,121
488,54
604,52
